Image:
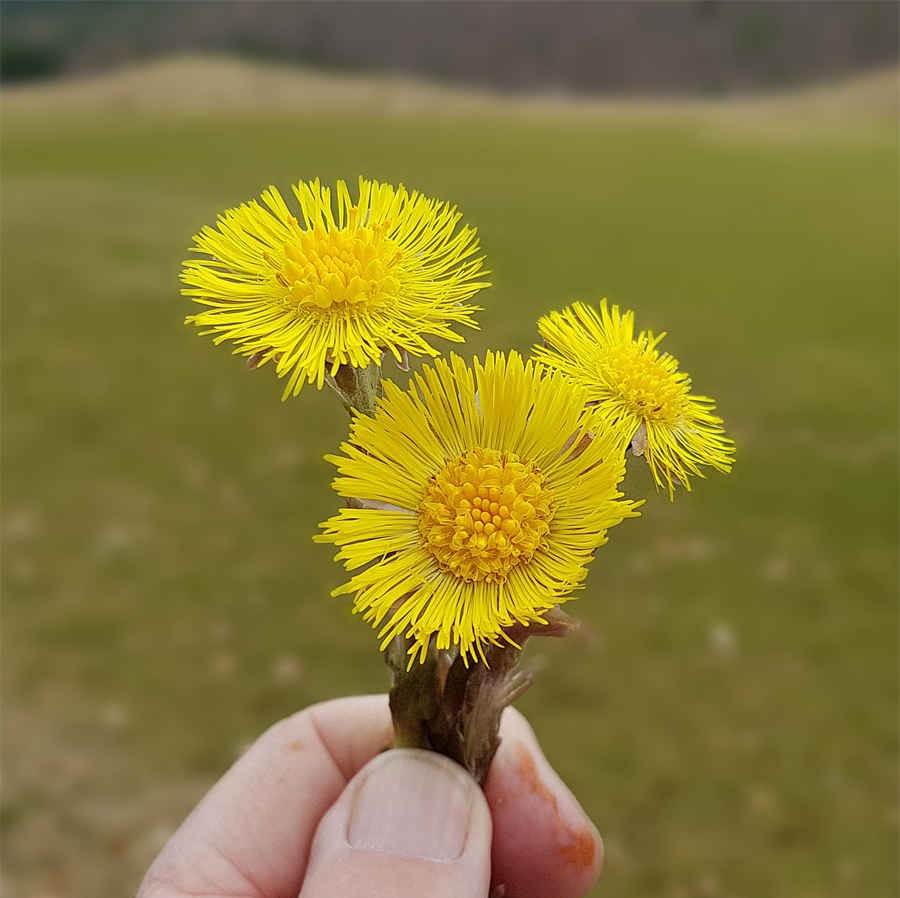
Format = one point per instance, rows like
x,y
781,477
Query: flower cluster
x,y
478,494
639,392
357,278
474,514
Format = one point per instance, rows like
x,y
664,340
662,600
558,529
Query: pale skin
x,y
317,808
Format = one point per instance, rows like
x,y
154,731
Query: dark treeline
x,y
702,46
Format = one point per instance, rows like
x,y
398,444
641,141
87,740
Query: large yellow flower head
x,y
637,391
480,494
350,280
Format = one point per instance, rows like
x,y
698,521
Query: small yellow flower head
x,y
479,502
379,274
637,390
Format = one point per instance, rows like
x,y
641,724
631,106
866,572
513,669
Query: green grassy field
x,y
730,717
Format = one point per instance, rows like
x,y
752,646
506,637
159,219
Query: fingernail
x,y
413,803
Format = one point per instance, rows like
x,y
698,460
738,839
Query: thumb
x,y
410,823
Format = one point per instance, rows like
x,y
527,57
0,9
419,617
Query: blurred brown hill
x,y
697,47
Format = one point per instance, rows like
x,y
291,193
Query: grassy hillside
x,y
729,720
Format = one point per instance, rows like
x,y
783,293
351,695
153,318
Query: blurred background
x,y
729,170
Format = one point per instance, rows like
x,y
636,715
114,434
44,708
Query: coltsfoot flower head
x,y
481,502
638,391
348,281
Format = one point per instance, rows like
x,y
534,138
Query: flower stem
x,y
358,388
452,708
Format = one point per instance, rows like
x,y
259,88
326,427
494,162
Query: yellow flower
x,y
480,496
382,273
638,391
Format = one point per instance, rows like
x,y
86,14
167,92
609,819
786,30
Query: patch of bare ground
x,y
214,84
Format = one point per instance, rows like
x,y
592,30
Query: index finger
x,y
544,843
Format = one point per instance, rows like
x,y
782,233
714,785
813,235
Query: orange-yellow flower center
x,y
485,513
347,268
643,382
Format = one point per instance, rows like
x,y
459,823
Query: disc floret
x,y
343,269
484,514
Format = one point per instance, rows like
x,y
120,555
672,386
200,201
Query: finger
x,y
250,836
411,823
544,843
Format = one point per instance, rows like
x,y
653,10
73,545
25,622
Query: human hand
x,y
316,807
